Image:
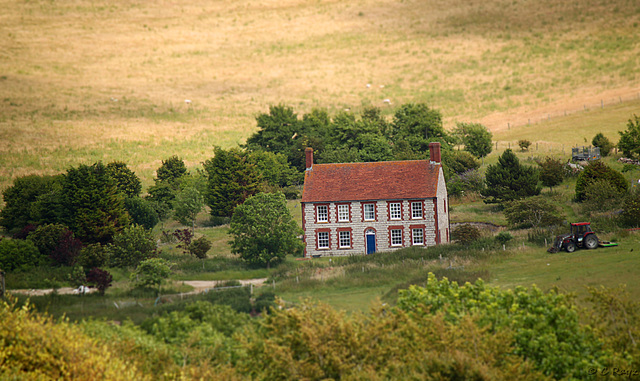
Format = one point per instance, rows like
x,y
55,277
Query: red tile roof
x,y
387,180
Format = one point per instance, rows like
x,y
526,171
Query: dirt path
x,y
198,285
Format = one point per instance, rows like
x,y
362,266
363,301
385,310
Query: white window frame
x,y
325,213
344,236
416,213
393,211
321,240
343,216
417,239
398,237
372,211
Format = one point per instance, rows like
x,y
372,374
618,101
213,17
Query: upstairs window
x,y
322,213
369,211
395,211
343,213
416,210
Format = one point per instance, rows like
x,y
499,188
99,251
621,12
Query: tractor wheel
x,y
591,241
570,247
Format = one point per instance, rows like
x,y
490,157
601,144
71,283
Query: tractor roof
x,y
580,223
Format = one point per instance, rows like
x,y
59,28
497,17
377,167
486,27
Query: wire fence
x,y
586,107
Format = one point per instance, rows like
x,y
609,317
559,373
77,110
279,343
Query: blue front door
x,y
371,243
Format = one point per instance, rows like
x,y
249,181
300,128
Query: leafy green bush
x,y
465,234
199,247
142,212
151,272
37,348
598,170
47,237
533,212
19,255
93,255
545,325
601,196
132,246
503,237
469,181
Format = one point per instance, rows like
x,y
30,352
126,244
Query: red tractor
x,y
581,236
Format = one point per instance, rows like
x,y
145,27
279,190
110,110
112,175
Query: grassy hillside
x,y
83,80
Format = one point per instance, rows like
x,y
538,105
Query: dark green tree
x,y
475,137
551,172
171,171
93,206
631,210
418,125
277,131
232,179
126,180
188,203
603,143
457,162
141,212
275,169
263,231
509,180
597,170
21,198
629,142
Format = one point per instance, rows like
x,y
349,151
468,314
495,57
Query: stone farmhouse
x,y
362,208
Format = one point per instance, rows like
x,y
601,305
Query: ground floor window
x,y
345,239
417,236
323,240
396,237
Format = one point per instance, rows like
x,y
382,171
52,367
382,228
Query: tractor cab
x,y
579,230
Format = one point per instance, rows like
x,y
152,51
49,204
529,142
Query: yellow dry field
x,y
139,81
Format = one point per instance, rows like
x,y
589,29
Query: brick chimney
x,y
434,153
309,153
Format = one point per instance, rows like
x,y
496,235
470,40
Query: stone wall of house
x,y
380,226
443,209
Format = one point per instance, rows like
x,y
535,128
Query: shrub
x,y
37,348
47,237
603,143
93,255
101,279
503,237
67,250
19,255
142,212
597,170
199,247
132,246
468,181
602,196
546,326
631,210
151,272
524,144
533,212
465,234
